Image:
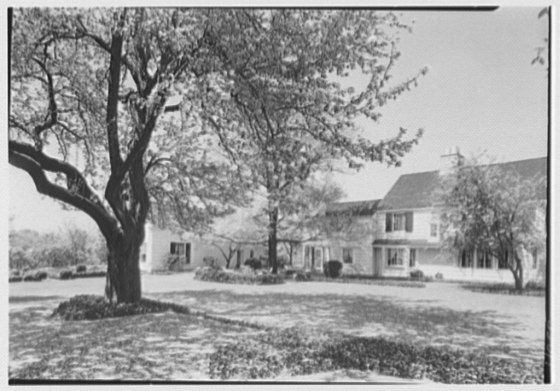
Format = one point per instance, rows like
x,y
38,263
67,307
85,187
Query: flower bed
x,y
219,275
364,279
91,307
296,352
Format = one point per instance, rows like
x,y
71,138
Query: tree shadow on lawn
x,y
163,346
480,331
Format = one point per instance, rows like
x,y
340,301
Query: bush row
x,y
298,353
364,279
229,277
531,289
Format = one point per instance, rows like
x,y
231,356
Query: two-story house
x,y
409,234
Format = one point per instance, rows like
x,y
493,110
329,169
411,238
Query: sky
x,y
481,94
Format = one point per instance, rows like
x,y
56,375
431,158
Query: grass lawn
x,y
164,346
169,346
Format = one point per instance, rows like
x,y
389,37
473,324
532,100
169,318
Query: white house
x,y
401,233
191,249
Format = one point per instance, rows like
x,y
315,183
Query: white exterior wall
x,y
422,220
157,246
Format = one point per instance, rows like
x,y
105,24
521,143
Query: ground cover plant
x,y
297,352
231,277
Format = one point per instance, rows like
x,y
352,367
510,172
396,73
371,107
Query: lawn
x,y
170,346
164,346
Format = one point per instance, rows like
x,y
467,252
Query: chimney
x,y
450,159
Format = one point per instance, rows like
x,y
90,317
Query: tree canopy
x,y
492,208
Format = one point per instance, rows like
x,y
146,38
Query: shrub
x,y
302,276
439,276
217,275
98,273
15,279
535,285
333,268
173,262
253,263
81,268
66,274
35,276
210,262
416,274
289,272
92,307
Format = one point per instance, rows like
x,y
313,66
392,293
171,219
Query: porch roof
x,y
405,242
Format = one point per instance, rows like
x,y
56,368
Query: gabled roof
x,y
355,208
416,190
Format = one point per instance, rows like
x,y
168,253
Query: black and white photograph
x,y
279,195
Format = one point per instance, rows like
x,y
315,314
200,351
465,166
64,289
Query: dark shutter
x,y
409,221
388,222
172,248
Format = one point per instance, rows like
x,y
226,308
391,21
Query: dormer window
x,y
402,221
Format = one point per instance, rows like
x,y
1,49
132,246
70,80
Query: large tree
x,y
90,121
285,82
494,209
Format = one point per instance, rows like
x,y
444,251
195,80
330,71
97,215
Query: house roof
x,y
355,208
416,190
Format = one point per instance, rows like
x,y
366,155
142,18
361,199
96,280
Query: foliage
x,y
229,277
173,262
90,307
285,90
91,93
253,263
81,268
298,352
211,262
494,209
66,274
333,268
416,274
35,276
439,276
533,288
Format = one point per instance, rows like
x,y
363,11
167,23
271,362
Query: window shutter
x,y
388,222
409,221
172,248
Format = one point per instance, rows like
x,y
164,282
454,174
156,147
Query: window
x,y
181,249
503,264
466,258
347,255
483,260
395,257
412,258
399,222
433,230
252,253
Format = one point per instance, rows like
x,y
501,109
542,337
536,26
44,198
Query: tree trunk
x,y
123,271
272,240
518,274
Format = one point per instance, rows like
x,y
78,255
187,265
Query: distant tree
x,y
79,243
285,78
541,56
492,208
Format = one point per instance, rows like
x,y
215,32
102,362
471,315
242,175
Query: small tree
x,y
492,208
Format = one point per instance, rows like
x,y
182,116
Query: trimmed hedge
x,y
35,276
531,289
298,353
219,275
